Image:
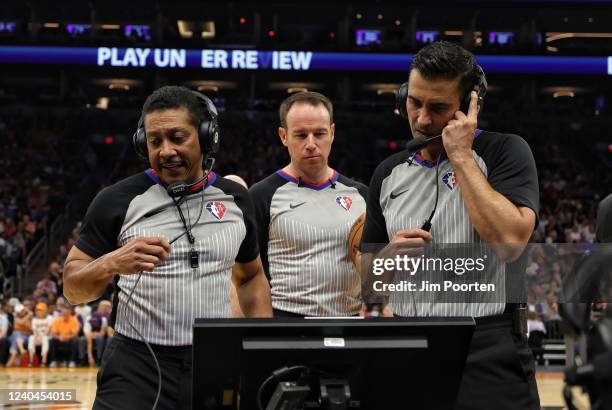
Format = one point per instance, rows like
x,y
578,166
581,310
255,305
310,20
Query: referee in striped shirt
x,y
304,213
170,258
488,194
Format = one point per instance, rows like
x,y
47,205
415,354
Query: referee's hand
x,y
140,254
407,242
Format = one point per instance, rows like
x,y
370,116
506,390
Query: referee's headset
x,y
479,84
209,136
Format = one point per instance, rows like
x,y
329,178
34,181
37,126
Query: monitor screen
x,y
501,37
8,27
376,363
427,36
141,32
368,37
78,30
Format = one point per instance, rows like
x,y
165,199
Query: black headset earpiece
x,y
139,142
480,86
209,133
401,98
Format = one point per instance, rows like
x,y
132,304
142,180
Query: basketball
x,y
354,238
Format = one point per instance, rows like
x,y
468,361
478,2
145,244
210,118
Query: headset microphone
x,y
178,189
417,144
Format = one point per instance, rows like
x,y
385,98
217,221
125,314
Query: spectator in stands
x,y
535,323
551,310
105,308
96,331
41,326
9,228
82,313
22,329
50,304
64,338
5,328
45,287
60,303
30,303
55,274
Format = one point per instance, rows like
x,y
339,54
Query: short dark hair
x,y
448,61
308,97
175,97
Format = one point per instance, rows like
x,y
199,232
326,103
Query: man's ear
x,y
282,133
333,131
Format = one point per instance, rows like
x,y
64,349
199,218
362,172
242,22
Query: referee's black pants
x,y
500,369
127,378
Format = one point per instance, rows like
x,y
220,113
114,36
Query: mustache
x,y
423,131
181,162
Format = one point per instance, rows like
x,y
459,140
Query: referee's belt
x,y
514,316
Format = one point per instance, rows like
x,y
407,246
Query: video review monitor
x,y
408,363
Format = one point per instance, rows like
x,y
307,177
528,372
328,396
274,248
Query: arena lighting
x,y
51,25
397,22
119,86
453,33
110,26
102,103
564,91
109,140
205,29
358,16
381,88
209,85
382,91
271,33
204,88
208,30
292,87
292,90
550,37
184,29
609,147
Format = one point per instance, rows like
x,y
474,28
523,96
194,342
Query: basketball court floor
x,y
550,385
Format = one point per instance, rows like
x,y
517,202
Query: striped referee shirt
x,y
166,301
402,195
303,236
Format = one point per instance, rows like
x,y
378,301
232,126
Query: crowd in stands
x,y
36,165
42,329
